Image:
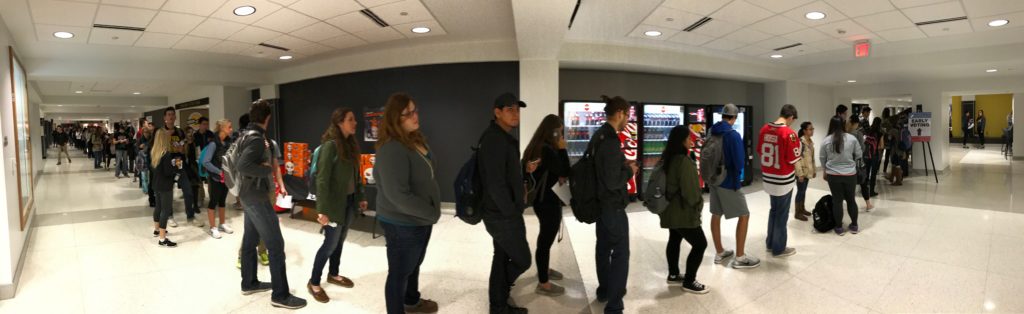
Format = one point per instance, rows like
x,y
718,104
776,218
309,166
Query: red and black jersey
x,y
779,148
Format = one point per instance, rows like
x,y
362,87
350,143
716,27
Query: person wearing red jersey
x,y
779,148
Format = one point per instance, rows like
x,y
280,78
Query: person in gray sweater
x,y
839,154
408,203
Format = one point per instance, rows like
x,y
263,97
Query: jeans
x,y
612,254
698,244
191,206
63,151
122,163
334,241
777,218
261,223
550,222
407,245
868,187
97,156
163,208
801,190
511,257
843,188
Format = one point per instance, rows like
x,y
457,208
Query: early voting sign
x,y
921,127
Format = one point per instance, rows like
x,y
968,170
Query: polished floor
x,y
927,247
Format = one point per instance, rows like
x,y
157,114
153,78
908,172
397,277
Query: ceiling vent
x,y
127,28
274,47
373,17
787,47
698,24
942,21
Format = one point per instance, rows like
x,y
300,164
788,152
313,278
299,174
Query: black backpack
x,y
823,220
469,191
584,185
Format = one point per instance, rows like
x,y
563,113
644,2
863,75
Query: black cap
x,y
508,100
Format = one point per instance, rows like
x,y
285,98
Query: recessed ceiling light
x,y
63,35
776,56
136,93
245,10
60,105
851,81
652,33
991,70
78,92
814,15
998,23
420,30
285,57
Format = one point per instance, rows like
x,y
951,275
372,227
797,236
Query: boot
x,y
898,177
803,210
798,214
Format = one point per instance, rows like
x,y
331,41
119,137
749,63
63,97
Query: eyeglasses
x,y
410,113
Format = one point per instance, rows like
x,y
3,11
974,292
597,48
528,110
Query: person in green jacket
x,y
339,189
682,217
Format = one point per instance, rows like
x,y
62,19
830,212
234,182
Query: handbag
x,y
535,188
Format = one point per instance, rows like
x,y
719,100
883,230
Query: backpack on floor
x,y
584,186
712,161
231,176
655,198
823,220
469,191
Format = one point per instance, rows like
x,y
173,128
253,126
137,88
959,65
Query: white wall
x,y
12,238
813,103
235,102
538,87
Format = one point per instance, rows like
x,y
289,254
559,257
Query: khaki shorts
x,y
728,203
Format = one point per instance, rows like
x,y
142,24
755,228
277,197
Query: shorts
x,y
218,194
728,203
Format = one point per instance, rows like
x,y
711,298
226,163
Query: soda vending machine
x,y
658,121
583,118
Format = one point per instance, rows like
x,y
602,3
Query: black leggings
x,y
698,243
868,186
164,201
550,222
218,194
981,137
843,188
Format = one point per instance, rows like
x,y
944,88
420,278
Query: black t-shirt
x,y
118,138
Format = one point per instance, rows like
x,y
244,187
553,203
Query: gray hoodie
x,y
844,163
407,193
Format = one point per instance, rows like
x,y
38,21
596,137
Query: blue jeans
x,y
261,223
612,255
407,245
97,156
122,163
334,241
191,206
777,217
801,190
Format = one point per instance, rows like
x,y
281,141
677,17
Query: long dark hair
x,y
837,130
876,127
391,125
803,129
675,146
545,135
348,148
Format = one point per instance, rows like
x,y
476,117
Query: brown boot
x,y
798,214
803,210
898,180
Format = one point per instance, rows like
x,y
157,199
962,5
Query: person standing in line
x,y
548,144
967,128
90,135
261,222
726,198
854,128
682,216
218,192
200,139
108,147
96,139
887,126
243,122
840,152
192,171
338,177
613,174
780,151
805,169
865,119
842,111
980,126
502,182
178,140
165,166
874,140
121,150
61,139
408,203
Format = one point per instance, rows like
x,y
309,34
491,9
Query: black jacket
x,y
163,174
613,174
555,163
60,138
253,165
501,173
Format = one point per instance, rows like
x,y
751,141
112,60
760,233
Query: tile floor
x,y
921,250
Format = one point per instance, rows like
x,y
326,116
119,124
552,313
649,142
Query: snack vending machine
x,y
583,118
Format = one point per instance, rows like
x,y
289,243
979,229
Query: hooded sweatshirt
x,y
732,152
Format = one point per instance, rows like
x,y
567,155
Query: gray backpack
x,y
655,192
712,157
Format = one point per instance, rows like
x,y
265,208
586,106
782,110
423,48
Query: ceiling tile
x,y
82,85
778,25
946,29
230,47
746,35
121,16
742,13
380,35
353,22
105,85
902,34
174,23
775,42
53,87
285,21
195,43
779,6
325,9
403,12
284,2
264,8
258,51
702,7
145,4
848,28
344,41
197,7
800,50
935,12
716,28
914,3
806,36
120,37
671,18
861,7
312,49
690,38
373,3
157,40
62,13
830,44
435,29
981,24
978,8
317,32
288,42
831,14
45,33
753,50
253,35
724,44
639,31
884,21
219,29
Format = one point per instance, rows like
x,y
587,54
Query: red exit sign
x,y
862,49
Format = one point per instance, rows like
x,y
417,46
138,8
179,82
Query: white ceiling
x,y
108,88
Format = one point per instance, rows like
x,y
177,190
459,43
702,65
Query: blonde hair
x,y
161,144
222,123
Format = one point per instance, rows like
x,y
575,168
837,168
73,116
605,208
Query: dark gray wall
x,y
454,102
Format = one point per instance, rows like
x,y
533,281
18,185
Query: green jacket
x,y
332,180
686,201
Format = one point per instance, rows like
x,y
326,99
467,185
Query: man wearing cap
x,y
726,198
503,202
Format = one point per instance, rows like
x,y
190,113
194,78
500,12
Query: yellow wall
x,y
957,116
996,108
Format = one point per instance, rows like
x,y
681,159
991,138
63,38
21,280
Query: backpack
x,y
654,193
712,165
231,176
312,169
584,186
870,147
469,191
823,220
202,156
905,142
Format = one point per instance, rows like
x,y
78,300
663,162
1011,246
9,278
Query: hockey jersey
x,y
779,148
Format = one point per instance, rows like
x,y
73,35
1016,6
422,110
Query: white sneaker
x,y
172,223
720,258
215,233
226,229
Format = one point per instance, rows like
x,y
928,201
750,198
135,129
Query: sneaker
x,y
695,287
264,259
854,229
167,243
787,252
554,291
226,229
215,233
555,275
260,287
840,232
720,258
674,279
291,302
172,223
424,306
745,262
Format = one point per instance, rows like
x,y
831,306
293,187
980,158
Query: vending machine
x,y
583,118
658,121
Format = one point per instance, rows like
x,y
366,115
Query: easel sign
x,y
921,132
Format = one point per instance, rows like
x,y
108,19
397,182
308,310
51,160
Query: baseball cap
x,y
508,100
730,110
